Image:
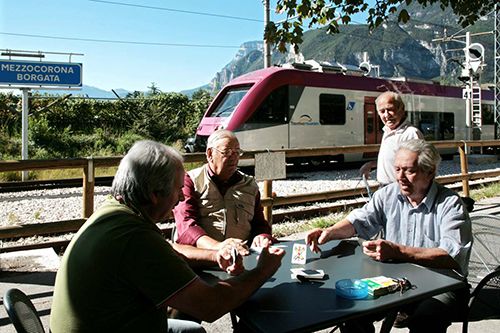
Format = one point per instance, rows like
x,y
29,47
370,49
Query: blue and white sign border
x,y
19,73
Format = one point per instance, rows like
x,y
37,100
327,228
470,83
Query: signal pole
x,y
471,67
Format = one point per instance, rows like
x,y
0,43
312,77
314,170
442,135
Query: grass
x,y
55,174
292,227
485,191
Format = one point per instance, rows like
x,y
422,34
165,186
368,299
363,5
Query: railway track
x,y
52,232
31,185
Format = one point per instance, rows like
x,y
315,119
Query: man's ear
x,y
154,198
209,154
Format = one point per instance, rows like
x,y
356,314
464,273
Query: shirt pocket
x,y
244,213
429,241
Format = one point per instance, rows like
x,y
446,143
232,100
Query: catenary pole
x,y
267,47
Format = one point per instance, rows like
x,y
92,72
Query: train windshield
x,y
229,102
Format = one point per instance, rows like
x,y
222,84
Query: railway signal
x,y
474,56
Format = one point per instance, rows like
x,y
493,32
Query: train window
x,y
229,102
436,126
331,109
488,114
274,109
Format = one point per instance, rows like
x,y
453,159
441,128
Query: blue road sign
x,y
40,74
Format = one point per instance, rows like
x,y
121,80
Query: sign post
x,y
269,166
24,134
26,75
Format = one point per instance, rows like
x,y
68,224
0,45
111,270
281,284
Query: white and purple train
x,y
278,107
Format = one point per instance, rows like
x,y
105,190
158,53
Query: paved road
x,y
39,286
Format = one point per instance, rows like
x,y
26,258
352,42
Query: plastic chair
x,y
484,270
22,312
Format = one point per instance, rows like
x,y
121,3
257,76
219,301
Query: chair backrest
x,y
484,270
22,312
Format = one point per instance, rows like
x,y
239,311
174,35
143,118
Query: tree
x,y
153,89
330,13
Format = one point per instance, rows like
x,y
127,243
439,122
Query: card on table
x,y
318,274
299,254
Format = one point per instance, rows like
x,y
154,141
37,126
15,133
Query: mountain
x,y
190,92
89,91
398,49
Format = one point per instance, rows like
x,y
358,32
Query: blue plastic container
x,y
351,288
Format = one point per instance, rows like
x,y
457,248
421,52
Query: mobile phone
x,y
310,271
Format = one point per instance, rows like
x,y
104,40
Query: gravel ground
x,y
62,204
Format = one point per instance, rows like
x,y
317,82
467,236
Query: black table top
x,y
284,304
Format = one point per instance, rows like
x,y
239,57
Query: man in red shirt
x,y
221,203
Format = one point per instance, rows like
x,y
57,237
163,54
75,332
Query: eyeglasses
x,y
229,151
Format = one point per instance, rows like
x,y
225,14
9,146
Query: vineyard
x,y
62,127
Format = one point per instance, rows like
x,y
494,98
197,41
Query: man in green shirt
x,y
119,274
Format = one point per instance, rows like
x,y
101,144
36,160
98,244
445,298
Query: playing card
x,y
299,254
234,254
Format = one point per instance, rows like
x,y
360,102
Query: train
x,y
312,105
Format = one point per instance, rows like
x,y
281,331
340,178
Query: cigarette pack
x,y
380,285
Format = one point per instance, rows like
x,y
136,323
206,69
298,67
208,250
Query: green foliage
x,y
329,13
77,127
487,191
10,114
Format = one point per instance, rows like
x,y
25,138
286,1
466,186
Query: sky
x,y
162,41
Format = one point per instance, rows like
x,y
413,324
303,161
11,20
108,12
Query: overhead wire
x,y
178,10
187,44
117,41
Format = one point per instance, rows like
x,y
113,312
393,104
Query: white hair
x,y
148,167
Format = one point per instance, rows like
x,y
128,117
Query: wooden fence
x,y
89,165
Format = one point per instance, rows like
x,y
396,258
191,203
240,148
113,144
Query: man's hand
x,y
237,243
381,250
270,259
316,237
261,241
227,261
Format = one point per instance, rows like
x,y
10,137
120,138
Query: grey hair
x,y
219,135
428,155
395,97
148,167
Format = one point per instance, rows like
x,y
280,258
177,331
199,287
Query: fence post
x,y
462,149
88,188
268,193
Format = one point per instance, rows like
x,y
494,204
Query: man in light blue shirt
x,y
420,222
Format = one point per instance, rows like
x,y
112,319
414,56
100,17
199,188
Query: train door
x,y
373,125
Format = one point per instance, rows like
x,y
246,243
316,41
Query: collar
x,y
402,126
429,199
236,177
134,210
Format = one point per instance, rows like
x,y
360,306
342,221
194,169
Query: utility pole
x,y
267,46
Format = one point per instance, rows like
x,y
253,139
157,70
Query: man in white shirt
x,y
422,222
391,110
